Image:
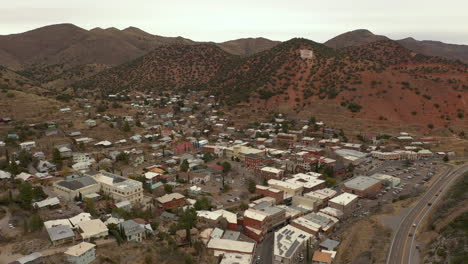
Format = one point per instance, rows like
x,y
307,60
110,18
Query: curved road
x,y
402,245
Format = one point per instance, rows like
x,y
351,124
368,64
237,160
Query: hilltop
x,y
426,47
354,38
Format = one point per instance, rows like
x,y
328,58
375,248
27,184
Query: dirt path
x,y
4,225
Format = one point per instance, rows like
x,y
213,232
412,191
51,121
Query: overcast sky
x,y
217,20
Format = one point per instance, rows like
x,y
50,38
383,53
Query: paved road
x,y
265,249
403,245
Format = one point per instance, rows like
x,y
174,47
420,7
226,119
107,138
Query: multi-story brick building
x,y
271,173
270,192
170,201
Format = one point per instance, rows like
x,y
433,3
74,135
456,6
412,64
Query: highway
x,y
403,245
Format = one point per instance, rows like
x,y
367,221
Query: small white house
x,y
82,253
65,110
27,145
81,166
91,123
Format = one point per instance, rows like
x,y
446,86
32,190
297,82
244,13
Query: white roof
x,y
332,211
47,202
4,175
150,175
309,183
231,245
230,217
287,240
92,227
254,214
307,224
272,170
27,143
287,185
79,218
344,198
57,222
169,197
23,176
78,250
209,215
103,143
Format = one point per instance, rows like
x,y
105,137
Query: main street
x,y
403,245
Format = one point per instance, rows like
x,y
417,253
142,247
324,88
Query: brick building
x,y
270,192
173,200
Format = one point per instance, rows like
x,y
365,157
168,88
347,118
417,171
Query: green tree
x,y
203,204
208,156
57,158
38,193
126,127
168,188
226,167
243,206
25,195
25,158
251,185
90,207
13,168
446,158
184,167
35,223
328,172
312,120
188,218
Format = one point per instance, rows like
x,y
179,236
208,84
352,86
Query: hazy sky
x,y
217,20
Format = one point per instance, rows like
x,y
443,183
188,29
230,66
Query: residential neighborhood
x,y
176,171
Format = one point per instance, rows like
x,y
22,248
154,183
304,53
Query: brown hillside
x,y
167,67
380,81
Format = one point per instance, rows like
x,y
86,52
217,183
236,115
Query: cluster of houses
x,y
295,202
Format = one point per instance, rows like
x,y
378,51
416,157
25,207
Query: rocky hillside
x,y
447,234
166,67
380,81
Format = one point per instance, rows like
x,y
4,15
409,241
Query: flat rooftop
x,y
361,183
77,183
288,240
231,246
344,198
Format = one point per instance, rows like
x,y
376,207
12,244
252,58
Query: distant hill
x,y
354,38
46,53
69,46
426,47
247,46
437,48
